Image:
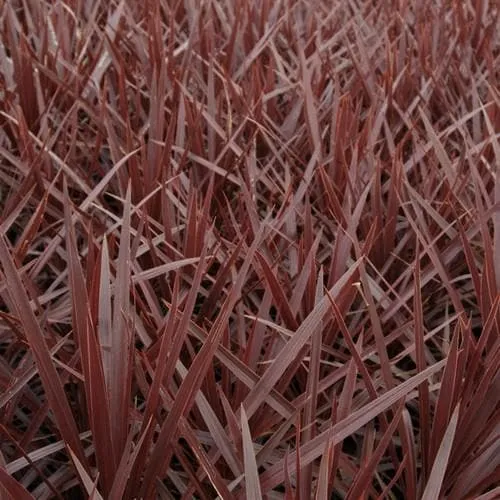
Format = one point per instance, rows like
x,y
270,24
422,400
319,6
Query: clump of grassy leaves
x,y
249,249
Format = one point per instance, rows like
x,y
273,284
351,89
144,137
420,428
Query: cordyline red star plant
x,y
249,249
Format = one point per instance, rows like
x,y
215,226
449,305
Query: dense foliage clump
x,y
249,249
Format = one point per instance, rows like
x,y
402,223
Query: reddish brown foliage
x,y
249,249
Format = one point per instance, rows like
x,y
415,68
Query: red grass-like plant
x,y
249,249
